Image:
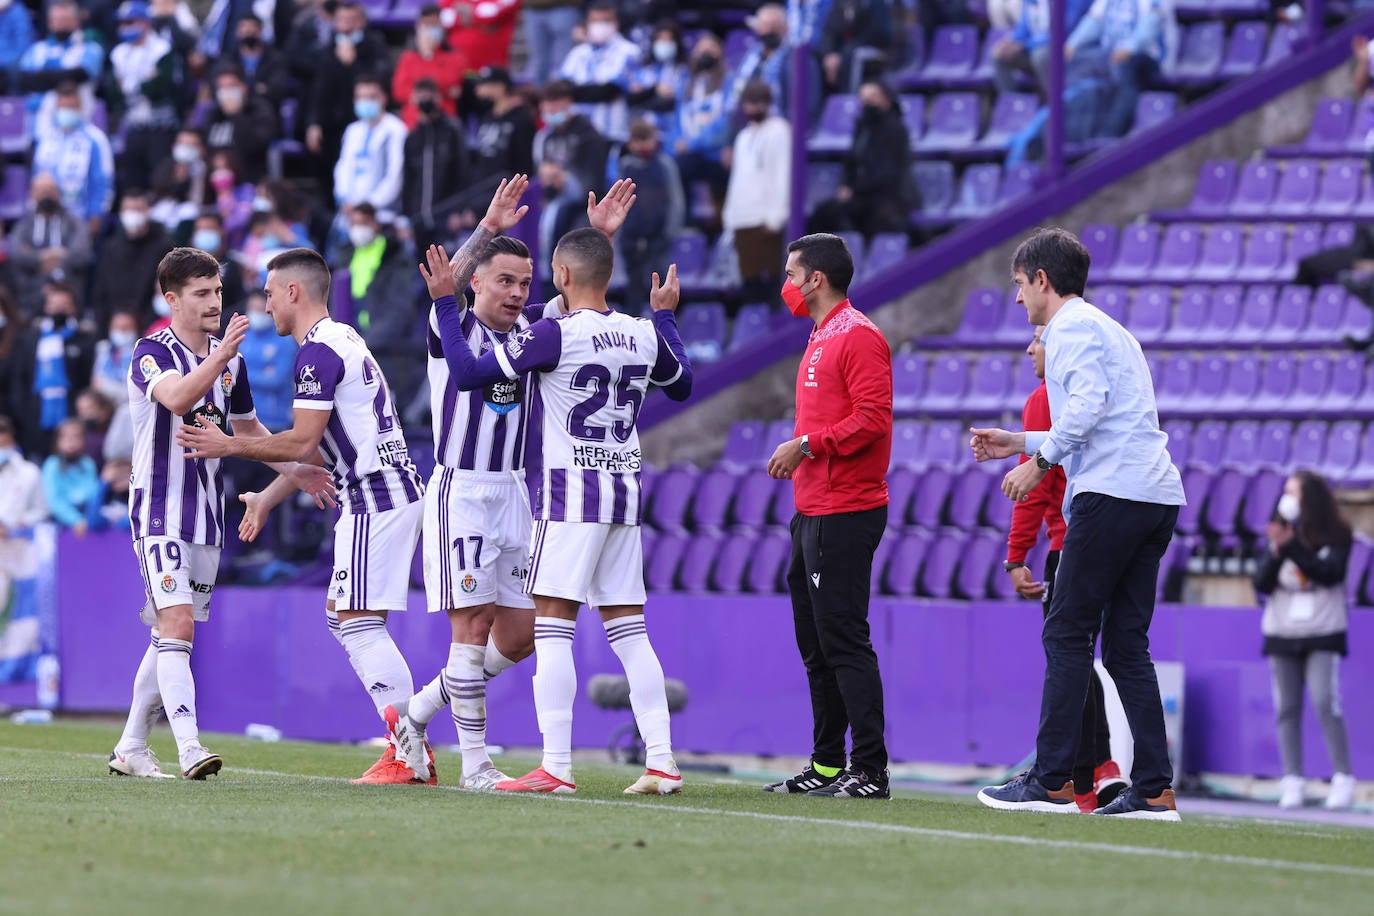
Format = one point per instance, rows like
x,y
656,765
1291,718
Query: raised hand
x,y
233,336
505,209
664,298
609,215
204,440
437,273
254,516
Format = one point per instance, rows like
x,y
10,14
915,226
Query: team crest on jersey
x,y
169,584
226,382
504,396
469,584
148,366
306,383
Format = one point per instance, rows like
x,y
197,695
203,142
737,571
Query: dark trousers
x,y
1107,578
1095,739
832,560
1324,265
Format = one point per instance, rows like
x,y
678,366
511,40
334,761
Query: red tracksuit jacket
x,y
1045,502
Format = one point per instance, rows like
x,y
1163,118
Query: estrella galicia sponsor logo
x,y
504,396
212,415
306,383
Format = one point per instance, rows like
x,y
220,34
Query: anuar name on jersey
x,y
171,495
589,375
363,445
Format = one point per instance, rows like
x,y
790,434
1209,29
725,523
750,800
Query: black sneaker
x,y
1130,806
804,781
854,783
1027,793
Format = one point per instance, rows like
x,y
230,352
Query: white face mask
x,y
598,33
259,321
185,153
123,339
1288,508
361,236
133,221
665,52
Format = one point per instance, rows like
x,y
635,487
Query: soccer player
x,y
176,501
477,514
589,372
344,409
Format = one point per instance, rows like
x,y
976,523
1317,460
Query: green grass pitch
x,y
282,831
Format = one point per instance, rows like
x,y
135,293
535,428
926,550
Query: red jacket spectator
x,y
481,30
445,67
844,407
1045,502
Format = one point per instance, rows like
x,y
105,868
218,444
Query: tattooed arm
x,y
502,215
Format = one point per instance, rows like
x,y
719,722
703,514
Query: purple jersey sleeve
x,y
241,395
319,370
535,349
672,370
151,361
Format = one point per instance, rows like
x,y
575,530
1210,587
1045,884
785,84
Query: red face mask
x,y
794,299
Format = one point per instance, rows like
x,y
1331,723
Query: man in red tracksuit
x,y
1094,765
838,466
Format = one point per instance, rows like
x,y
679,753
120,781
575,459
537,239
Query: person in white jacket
x,y
758,197
370,163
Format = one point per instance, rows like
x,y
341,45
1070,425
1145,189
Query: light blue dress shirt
x,y
1104,428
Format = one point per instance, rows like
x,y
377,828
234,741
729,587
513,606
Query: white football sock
x,y
431,698
335,630
178,690
147,702
555,687
648,695
465,684
380,665
493,662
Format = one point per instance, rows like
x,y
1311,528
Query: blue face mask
x,y
67,118
356,36
206,240
7,455
259,321
367,109
555,118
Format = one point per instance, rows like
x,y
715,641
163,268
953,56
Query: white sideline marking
x,y
876,827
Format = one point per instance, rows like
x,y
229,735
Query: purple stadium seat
x,y
1195,302
1363,472
908,444
728,573
1314,381
835,130
1260,499
1276,384
1361,553
1022,384
1242,439
783,504
1178,252
953,53
914,117
667,510
751,322
984,71
745,446
1309,444
858,248
1148,318
1324,324
991,381
1216,182
1297,188
1284,38
966,496
698,557
711,501
703,329
1347,382
886,250
937,573
904,564
753,496
1305,239
1197,482
953,123
1358,321
1135,259
978,190
1329,130
690,254
768,564
1010,115
1223,502
928,503
1100,240
935,182
1342,450
881,553
946,444
14,132
1338,235
1208,445
660,566
908,382
1180,433
1361,122
1221,251
1290,315
1174,384
1224,314
1245,50
822,180
947,383
1114,300
1339,188
1275,443
901,487
1255,188
981,554
1209,382
1264,254
1015,329
1201,49
1018,181
1153,108
1242,383
909,73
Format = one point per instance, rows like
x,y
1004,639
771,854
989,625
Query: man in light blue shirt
x,y
1121,504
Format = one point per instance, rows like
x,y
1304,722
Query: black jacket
x,y
504,145
126,274
332,99
435,168
580,149
248,133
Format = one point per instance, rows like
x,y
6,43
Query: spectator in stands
x,y
549,26
264,66
878,191
21,499
242,122
1027,49
757,199
1123,43
142,91
570,139
806,21
480,30
435,167
504,142
646,239
174,22
355,51
127,270
109,510
307,40
273,360
64,56
233,194
70,480
53,363
12,326
430,59
371,166
382,275
769,58
1305,621
16,34
114,355
858,35
601,71
48,239
279,196
1004,14
701,132
77,154
659,82
181,183
94,412
564,209
208,235
268,233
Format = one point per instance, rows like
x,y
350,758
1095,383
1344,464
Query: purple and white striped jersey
x,y
364,446
478,430
171,495
588,374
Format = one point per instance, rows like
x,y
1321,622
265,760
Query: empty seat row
x,y
1182,252
1339,127
950,123
981,189
1269,385
1342,451
1304,188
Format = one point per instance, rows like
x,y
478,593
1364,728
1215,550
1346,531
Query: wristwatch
x,y
806,446
1041,462
1008,565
